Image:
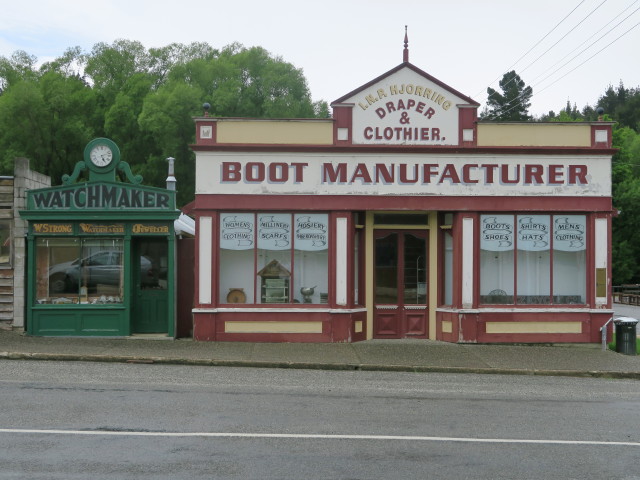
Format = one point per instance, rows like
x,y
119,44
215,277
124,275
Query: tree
x,y
626,200
510,105
21,66
144,100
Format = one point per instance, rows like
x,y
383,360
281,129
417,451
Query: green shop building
x,y
100,253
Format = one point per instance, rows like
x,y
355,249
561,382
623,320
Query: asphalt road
x,y
85,420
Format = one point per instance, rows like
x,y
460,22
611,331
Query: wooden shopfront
x,y
101,252
402,216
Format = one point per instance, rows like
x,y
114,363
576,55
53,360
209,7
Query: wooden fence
x,y
626,294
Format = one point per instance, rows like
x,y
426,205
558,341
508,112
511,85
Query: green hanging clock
x,y
102,158
101,155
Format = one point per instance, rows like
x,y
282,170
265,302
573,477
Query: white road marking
x,y
412,438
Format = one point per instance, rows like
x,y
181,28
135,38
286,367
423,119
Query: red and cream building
x,y
402,216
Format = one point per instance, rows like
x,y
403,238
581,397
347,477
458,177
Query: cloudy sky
x,y
565,49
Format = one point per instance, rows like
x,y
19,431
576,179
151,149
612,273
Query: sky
x,y
566,50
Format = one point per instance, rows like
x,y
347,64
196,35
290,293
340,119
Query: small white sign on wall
x,y
533,233
312,232
274,231
237,231
496,233
569,233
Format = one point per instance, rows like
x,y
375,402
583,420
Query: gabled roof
x,y
397,69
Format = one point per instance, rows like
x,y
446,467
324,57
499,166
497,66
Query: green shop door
x,y
150,286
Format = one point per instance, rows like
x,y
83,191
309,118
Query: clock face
x,y
101,155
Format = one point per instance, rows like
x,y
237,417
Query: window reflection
x,y
71,270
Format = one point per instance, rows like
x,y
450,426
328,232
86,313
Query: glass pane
x,y
237,242
569,259
448,268
534,259
311,258
57,270
274,276
101,271
496,259
153,264
415,270
386,269
401,219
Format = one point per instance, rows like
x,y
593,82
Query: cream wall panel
x,y
341,261
534,327
467,262
601,250
273,327
534,135
276,132
205,266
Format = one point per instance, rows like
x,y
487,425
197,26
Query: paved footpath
x,y
389,355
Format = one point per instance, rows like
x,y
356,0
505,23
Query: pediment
x,y
406,106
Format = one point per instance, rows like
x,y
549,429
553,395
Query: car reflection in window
x,y
102,268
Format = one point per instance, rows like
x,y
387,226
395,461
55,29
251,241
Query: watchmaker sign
x,y
405,108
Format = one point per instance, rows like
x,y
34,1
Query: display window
x,y
76,270
533,259
274,258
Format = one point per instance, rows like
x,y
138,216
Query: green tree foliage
x,y
19,67
512,105
622,106
145,100
45,120
626,200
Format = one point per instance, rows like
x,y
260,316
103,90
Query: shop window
x,y
569,259
5,242
533,259
72,270
274,258
496,259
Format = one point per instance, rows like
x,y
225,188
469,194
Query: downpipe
x,y
603,334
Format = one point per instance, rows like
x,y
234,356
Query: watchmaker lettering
x,y
100,196
93,228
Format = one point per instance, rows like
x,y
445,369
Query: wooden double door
x,y
400,284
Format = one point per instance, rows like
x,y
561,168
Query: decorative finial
x,y
405,53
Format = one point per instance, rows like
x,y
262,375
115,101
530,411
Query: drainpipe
x,y
603,333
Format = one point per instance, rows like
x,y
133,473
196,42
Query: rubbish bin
x,y
626,335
